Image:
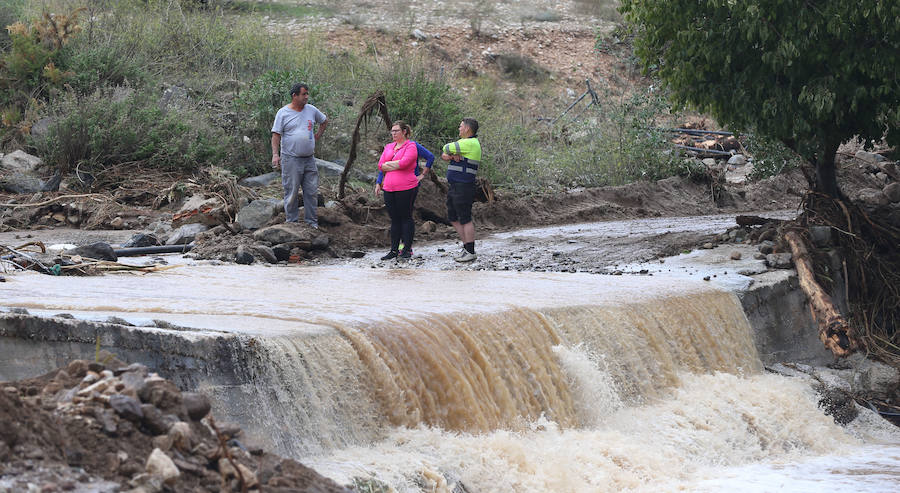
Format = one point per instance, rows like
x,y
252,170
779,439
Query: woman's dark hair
x,y
404,127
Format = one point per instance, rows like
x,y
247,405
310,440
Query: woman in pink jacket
x,y
398,162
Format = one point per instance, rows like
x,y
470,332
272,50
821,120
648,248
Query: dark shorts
x,y
459,202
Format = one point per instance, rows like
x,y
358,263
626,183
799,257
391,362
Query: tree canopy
x,y
810,73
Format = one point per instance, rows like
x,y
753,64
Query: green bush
x,y
114,127
771,158
429,105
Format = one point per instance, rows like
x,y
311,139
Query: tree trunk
x,y
826,178
834,331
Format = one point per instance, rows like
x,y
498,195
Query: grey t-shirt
x,y
297,129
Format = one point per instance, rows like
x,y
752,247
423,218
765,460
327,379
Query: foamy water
x,y
714,433
500,381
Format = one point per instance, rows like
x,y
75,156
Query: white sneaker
x,y
466,257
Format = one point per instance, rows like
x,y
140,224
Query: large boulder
x,y
199,209
18,173
97,251
186,234
258,213
293,235
261,180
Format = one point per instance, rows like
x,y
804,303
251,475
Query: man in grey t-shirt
x,y
293,146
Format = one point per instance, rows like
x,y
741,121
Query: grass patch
x,y
280,9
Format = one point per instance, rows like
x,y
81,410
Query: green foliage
x,y
280,9
771,158
811,75
267,94
114,127
429,105
10,12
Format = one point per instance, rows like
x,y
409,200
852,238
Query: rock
x,y
872,196
197,405
707,246
710,163
766,247
875,379
186,234
737,160
889,168
838,404
20,162
735,255
199,209
428,227
155,421
282,252
141,240
261,180
869,157
265,252
419,35
779,260
243,256
160,465
892,192
161,393
41,128
97,251
126,407
258,213
820,235
227,470
293,234
181,435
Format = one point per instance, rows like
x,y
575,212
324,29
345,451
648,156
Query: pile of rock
x,y
114,427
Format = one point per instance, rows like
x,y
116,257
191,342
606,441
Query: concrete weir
x,y
390,364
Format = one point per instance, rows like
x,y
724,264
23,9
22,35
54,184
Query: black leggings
x,y
400,208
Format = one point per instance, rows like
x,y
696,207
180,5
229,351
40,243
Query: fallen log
x,y
834,331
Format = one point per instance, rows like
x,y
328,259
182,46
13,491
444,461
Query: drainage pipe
x,y
150,250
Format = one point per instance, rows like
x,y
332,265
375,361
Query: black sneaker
x,y
391,254
406,254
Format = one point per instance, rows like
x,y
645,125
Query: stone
x,y
707,246
735,255
186,234
155,421
766,247
296,234
126,407
261,180
265,252
20,162
892,192
282,252
161,393
199,209
181,435
197,405
258,213
838,404
243,256
737,160
419,35
780,260
97,251
141,240
160,465
820,235
428,227
872,196
869,157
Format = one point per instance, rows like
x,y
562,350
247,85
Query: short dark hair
x,y
295,89
472,124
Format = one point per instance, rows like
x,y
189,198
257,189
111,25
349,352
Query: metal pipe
x,y
150,250
700,149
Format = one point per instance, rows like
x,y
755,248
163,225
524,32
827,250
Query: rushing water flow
x,y
513,381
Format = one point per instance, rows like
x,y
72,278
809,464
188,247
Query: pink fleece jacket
x,y
403,178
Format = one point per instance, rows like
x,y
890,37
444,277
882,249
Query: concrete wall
x,y
783,328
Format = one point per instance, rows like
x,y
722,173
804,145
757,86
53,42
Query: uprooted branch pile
x,y
868,260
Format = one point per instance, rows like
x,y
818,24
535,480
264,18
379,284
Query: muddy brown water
x,y
502,381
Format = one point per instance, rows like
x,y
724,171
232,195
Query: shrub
x,y
114,127
429,105
771,158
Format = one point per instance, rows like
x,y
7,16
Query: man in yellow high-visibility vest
x,y
463,158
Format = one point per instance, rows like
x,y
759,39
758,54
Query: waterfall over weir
x,y
352,380
503,381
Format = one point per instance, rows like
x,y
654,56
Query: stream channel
x,y
427,377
